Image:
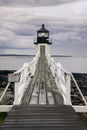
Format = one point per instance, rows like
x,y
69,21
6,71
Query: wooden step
x,y
42,117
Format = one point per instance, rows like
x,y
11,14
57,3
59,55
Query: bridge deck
x,y
42,89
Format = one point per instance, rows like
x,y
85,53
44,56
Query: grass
x,y
85,122
2,116
83,117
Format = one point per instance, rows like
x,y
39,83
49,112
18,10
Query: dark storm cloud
x,y
33,2
18,26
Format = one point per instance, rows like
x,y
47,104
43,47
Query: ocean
x,y
71,64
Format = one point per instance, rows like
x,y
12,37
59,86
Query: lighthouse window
x,y
46,34
42,34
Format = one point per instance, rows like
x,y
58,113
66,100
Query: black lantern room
x,y
42,36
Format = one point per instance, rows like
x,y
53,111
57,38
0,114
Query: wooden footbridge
x,y
42,96
43,89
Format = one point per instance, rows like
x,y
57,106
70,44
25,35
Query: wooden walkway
x,y
42,89
42,106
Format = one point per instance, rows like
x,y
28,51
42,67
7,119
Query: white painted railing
x,y
25,75
63,80
79,89
5,108
4,92
79,108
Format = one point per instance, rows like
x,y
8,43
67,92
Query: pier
x,y
42,94
43,89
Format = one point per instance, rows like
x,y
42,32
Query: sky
x,y
65,19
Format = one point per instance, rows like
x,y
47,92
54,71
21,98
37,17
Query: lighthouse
x,y
43,42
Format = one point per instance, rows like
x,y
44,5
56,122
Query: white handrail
x,y
53,61
60,75
4,92
26,72
27,64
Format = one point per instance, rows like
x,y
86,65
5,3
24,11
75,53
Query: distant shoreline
x,y
2,55
33,55
14,55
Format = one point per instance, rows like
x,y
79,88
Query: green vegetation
x,y
85,122
83,117
2,116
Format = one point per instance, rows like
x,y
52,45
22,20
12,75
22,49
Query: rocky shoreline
x,y
82,83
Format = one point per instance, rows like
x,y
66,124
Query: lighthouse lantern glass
x,y
42,34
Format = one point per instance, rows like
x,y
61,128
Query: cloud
x,y
27,3
66,22
71,12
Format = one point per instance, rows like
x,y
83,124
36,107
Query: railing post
x,y
16,94
68,89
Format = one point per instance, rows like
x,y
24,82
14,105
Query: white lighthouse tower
x,y
43,44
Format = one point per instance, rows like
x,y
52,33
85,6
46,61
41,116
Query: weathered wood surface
x,y
42,117
42,89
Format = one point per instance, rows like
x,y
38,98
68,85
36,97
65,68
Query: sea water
x,y
13,62
71,64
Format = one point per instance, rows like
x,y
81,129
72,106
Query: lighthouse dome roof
x,y
43,29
